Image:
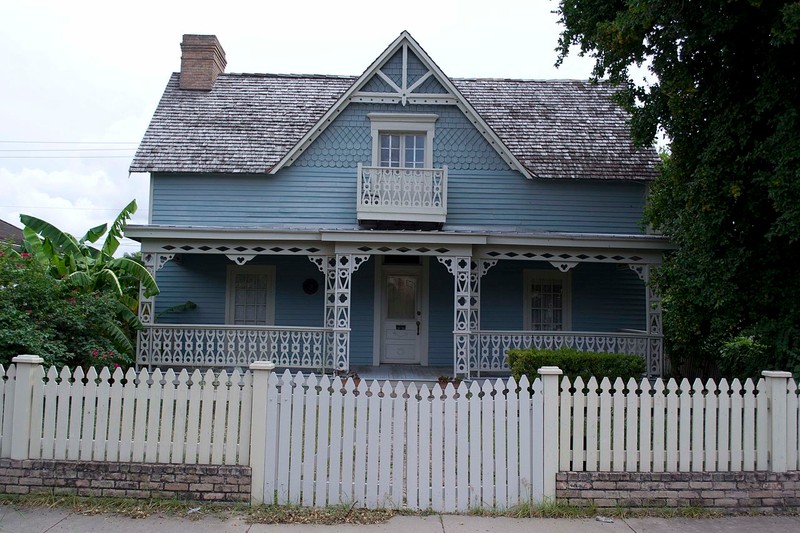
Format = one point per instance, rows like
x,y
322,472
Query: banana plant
x,y
87,266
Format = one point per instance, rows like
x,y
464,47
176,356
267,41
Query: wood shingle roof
x,y
248,122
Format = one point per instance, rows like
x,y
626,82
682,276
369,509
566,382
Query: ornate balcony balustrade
x,y
402,194
233,346
489,347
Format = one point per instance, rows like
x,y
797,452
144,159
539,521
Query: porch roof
x,y
179,239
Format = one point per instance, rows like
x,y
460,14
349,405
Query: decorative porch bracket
x,y
338,271
461,268
478,269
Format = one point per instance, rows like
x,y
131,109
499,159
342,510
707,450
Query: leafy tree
x,y
726,92
50,317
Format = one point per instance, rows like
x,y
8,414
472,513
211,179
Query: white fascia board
x,y
585,240
402,237
140,233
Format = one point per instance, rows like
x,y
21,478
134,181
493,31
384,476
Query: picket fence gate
x,y
382,445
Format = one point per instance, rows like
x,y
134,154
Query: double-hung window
x,y
402,140
547,298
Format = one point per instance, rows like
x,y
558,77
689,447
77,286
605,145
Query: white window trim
x,y
566,283
402,123
269,270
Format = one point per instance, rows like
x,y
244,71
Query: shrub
x,y
742,357
575,363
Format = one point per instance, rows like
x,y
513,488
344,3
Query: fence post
x,y
23,397
258,427
776,393
550,377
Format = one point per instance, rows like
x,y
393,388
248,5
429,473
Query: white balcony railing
x,y
233,346
402,194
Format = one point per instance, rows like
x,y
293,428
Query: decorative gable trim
x,y
403,93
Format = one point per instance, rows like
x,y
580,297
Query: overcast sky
x,y
82,78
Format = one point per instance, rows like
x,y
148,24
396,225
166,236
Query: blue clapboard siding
x,y
362,306
440,306
325,198
604,297
203,278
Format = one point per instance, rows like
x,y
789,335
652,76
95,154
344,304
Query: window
x,y
547,301
402,140
250,295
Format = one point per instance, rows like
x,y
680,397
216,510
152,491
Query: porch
x,y
329,301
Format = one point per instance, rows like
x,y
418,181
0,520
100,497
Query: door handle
x,y
417,327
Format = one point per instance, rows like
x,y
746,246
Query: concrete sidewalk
x,y
41,520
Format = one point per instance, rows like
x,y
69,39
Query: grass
x,y
337,514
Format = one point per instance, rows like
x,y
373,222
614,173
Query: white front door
x,y
402,316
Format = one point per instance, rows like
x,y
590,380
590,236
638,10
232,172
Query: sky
x,y
83,78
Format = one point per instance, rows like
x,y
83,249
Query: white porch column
x,y
461,269
655,350
147,305
345,265
478,269
327,265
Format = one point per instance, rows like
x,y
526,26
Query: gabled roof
x,y
251,123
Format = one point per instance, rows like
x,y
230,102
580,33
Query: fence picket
x,y
631,426
284,438
153,417
618,430
792,426
462,448
512,441
659,427
274,425
645,427
335,470
500,458
437,449
487,445
349,420
75,414
206,417
323,422
399,427
301,454
128,411
179,451
723,427
736,417
762,426
565,421
233,419
605,425
361,430
526,438
385,445
37,412
475,432
373,443
49,423
685,426
424,477
412,443
578,424
710,422
592,419
101,428
193,418
749,426
219,409
7,381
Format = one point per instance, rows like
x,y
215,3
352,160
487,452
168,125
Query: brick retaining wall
x,y
731,491
129,480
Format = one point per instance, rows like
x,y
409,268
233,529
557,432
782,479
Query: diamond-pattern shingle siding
x,y
248,122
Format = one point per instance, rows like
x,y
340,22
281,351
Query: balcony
x,y
402,194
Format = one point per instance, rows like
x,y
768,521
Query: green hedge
x,y
575,363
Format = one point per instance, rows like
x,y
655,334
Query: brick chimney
x,y
202,60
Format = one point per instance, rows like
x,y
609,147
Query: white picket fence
x,y
318,441
679,427
132,417
379,445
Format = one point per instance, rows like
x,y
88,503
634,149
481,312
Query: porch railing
x,y
489,347
402,194
233,346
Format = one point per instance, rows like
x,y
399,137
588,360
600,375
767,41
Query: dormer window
x,y
402,140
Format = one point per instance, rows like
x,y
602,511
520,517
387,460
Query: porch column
x,y
344,266
655,342
327,265
655,352
461,269
478,269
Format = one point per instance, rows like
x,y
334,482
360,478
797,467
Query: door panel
x,y
402,316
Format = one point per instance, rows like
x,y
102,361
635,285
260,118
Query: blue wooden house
x,y
398,217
